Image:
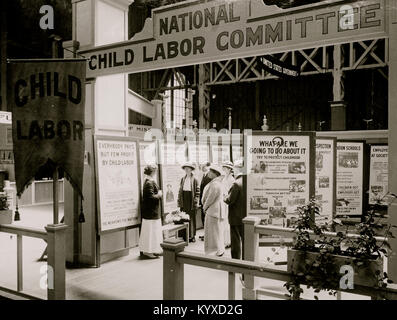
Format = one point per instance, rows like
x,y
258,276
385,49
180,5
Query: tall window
x,y
175,104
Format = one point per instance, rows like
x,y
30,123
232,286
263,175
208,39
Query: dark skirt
x,y
187,207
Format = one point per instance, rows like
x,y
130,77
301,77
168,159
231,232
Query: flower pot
x,y
364,275
5,216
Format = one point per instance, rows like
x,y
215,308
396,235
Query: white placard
x,y
278,179
378,173
325,179
220,153
147,156
237,153
5,117
349,178
118,183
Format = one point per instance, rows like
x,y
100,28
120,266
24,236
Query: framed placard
x,y
326,178
280,173
172,157
378,173
118,181
351,182
147,156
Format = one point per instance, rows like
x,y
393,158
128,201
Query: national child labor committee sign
x,y
47,102
280,173
199,31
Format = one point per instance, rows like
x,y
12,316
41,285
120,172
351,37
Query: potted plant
x,y
5,213
177,217
316,259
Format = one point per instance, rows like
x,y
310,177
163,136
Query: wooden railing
x,y
175,258
54,235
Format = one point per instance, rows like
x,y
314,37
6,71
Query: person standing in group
x,y
188,198
151,232
237,211
227,183
214,214
204,181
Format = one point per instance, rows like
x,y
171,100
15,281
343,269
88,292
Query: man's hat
x,y
216,169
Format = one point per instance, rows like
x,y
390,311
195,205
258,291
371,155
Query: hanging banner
x,y
47,101
280,173
172,157
326,178
117,182
350,178
378,174
195,32
277,67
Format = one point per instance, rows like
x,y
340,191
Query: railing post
x,y
173,284
251,244
56,259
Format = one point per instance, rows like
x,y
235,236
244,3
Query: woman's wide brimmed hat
x,y
228,164
216,169
189,165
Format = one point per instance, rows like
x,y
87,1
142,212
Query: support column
x,y
3,55
56,261
338,106
157,120
251,245
204,98
392,212
173,272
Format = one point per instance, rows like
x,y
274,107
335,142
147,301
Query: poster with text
x,y
147,156
325,178
118,183
349,178
280,176
171,159
378,174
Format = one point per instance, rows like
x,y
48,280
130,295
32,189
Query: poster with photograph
x,y
172,157
147,156
117,181
325,178
280,173
349,178
378,173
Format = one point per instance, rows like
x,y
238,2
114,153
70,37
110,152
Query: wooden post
x,y
251,244
173,272
56,252
55,194
19,263
392,210
232,286
203,98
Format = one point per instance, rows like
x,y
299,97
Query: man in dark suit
x,y
237,212
204,181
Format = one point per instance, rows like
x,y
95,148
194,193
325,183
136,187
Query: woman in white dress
x,y
227,182
212,200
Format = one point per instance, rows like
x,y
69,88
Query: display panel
x,y
378,174
118,182
280,173
350,178
326,178
172,157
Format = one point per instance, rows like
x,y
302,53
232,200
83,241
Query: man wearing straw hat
x,y
236,201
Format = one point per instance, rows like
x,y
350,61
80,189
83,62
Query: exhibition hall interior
x,y
198,150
